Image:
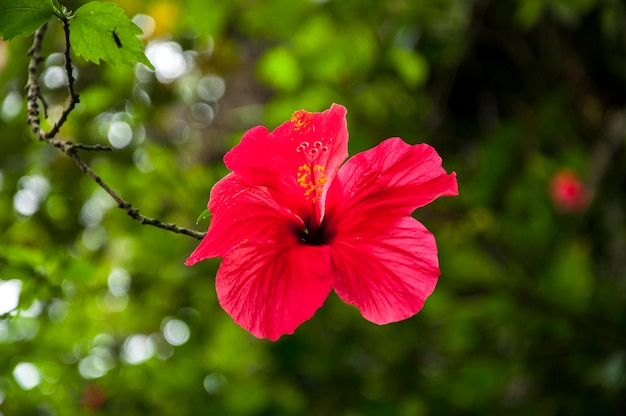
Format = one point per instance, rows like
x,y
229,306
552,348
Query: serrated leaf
x,y
23,17
101,30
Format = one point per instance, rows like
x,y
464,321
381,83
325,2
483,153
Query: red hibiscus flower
x,y
292,223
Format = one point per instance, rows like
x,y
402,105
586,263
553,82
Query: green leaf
x,y
203,216
23,17
101,30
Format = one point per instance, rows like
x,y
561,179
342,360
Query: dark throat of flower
x,y
316,235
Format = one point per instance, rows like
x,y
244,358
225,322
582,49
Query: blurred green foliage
x,y
528,315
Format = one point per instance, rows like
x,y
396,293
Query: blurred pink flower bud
x,y
568,192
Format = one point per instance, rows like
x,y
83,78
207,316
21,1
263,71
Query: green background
x,y
528,316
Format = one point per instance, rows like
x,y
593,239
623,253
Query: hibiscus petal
x,y
394,178
242,213
297,160
271,288
387,272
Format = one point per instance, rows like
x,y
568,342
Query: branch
x,y
70,84
70,148
81,146
32,86
8,314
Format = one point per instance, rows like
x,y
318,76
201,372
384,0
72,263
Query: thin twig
x,y
70,148
74,99
62,144
8,314
32,86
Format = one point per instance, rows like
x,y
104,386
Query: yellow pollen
x,y
312,180
301,121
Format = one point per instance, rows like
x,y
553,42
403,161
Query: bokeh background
x,y
524,99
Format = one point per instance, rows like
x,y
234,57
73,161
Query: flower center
x,y
311,176
312,152
315,236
